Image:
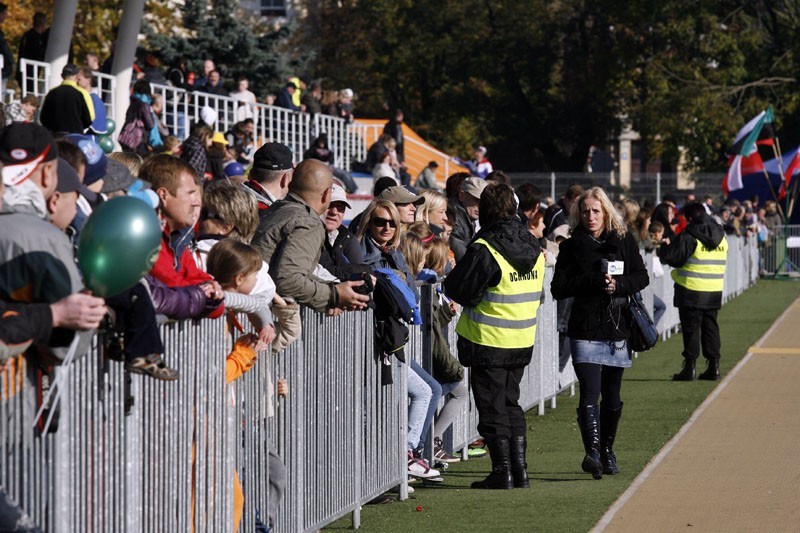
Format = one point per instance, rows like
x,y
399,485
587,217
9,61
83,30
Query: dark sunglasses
x,y
379,222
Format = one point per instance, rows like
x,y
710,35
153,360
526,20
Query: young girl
x,y
235,266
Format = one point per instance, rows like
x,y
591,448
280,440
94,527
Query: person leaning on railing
x,y
290,238
499,283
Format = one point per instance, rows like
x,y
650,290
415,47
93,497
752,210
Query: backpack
x,y
131,135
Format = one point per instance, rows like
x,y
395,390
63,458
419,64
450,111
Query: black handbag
x,y
644,333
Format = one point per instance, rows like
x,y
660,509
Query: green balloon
x,y
110,126
118,245
106,144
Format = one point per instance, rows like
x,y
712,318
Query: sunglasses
x,y
206,215
379,222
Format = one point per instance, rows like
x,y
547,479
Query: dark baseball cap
x,y
23,146
118,177
68,180
273,156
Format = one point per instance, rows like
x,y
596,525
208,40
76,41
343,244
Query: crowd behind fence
x,y
134,454
183,108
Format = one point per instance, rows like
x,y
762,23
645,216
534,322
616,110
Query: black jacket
x,y
477,271
463,230
597,315
21,323
708,232
343,258
64,111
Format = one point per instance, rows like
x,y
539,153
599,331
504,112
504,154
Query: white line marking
x,y
644,474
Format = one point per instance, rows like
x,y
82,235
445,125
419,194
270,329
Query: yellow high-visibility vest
x,y
704,271
506,316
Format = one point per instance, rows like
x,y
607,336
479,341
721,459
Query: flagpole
x,y
772,190
776,149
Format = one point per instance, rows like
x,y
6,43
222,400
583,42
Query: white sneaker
x,y
420,468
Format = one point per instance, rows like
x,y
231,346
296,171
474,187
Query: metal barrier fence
x,y
135,454
780,253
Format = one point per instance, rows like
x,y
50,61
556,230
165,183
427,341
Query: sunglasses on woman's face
x,y
379,222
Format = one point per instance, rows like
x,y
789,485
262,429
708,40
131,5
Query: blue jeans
x,y
452,406
420,394
436,393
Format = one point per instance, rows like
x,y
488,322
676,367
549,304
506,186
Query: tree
x,y
239,46
542,81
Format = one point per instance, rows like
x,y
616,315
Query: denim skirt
x,y
609,353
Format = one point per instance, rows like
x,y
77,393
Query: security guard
x,y
699,255
499,283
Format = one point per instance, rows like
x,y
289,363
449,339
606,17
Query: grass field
x,y
561,497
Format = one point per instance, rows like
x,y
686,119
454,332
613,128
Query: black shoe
x,y
589,424
687,373
500,476
712,371
609,422
519,467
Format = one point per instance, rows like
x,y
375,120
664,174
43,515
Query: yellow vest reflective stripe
x,y
506,315
704,271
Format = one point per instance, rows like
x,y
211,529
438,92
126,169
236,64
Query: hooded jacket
x,y
595,314
710,234
477,271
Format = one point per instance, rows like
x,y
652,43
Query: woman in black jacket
x,y
599,327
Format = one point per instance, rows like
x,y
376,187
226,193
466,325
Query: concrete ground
x,y
735,465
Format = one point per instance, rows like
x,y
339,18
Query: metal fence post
x,y
553,186
658,187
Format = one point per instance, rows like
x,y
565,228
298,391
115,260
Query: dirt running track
x,y
735,465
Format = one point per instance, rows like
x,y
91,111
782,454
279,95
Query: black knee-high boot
x,y
609,421
500,476
589,423
519,467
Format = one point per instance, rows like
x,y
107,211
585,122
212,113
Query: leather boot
x,y
609,421
687,373
589,423
519,468
500,476
712,371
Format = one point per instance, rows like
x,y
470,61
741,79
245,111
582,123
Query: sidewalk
x,y
735,465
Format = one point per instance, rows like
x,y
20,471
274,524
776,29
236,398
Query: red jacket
x,y
184,272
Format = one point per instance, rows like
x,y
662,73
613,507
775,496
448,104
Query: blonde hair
x,y
422,230
433,200
438,255
232,205
131,160
630,212
413,251
367,218
612,220
230,258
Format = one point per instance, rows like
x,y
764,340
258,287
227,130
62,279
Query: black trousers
x,y
700,328
496,393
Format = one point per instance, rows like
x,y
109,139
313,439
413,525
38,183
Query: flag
x,y
759,130
775,175
738,167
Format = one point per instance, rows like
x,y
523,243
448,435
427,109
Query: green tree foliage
x,y
239,44
541,81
